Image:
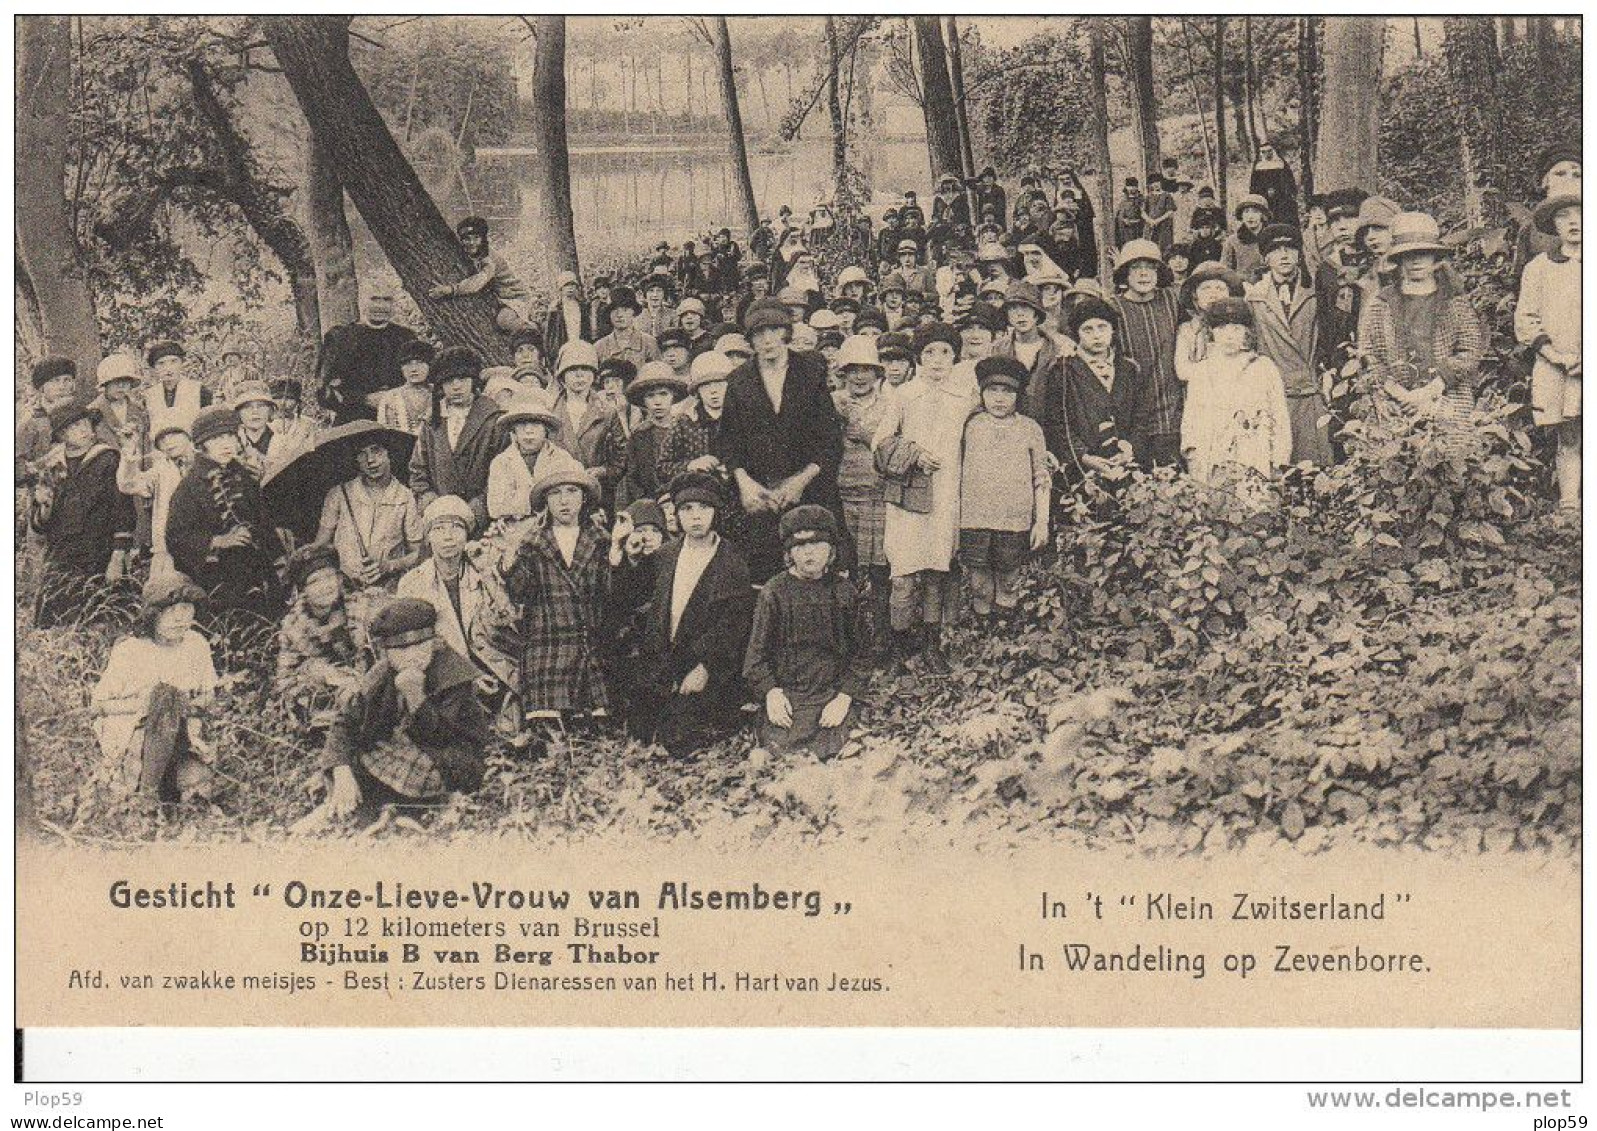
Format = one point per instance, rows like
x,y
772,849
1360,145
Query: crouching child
x,y
151,701
697,627
322,649
413,732
808,657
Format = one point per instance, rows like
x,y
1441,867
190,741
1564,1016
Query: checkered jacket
x,y
562,620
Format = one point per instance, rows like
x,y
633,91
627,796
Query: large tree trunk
x,y
956,75
332,249
737,146
834,110
46,247
1105,205
1346,150
1250,72
1222,157
558,228
240,180
1308,90
419,243
942,125
1197,99
1139,57
1471,49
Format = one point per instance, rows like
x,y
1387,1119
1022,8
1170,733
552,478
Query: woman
x,y
1421,338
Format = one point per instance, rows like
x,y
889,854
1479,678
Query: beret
x,y
672,336
624,298
1229,312
472,224
417,350
456,362
870,316
697,487
307,560
617,368
528,337
1553,155
842,304
985,315
161,349
49,368
402,621
806,524
765,314
646,512
894,344
64,416
1087,309
937,332
1002,371
212,422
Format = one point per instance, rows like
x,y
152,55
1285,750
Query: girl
x,y
1236,414
533,451
408,407
150,703
917,449
1547,318
322,649
585,414
861,403
656,391
807,655
1004,488
1148,309
1208,284
559,579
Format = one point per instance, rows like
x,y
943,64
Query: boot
x,y
932,655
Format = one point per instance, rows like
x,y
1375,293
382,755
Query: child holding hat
x,y
1004,488
808,655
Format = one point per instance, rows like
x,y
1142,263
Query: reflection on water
x,y
626,200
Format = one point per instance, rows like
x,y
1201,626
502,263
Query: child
x,y
372,520
526,354
861,403
532,453
173,397
493,275
1107,400
657,390
1236,414
692,650
408,407
1241,252
150,703
917,450
171,460
586,415
1208,284
807,655
635,542
1004,489
322,648
560,580
1547,318
413,731
898,363
1148,312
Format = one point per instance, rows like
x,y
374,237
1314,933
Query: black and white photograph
x,y
1146,447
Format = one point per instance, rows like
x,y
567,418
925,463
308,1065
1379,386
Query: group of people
x,y
737,481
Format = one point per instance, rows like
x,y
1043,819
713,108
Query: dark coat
x,y
436,469
451,727
562,621
88,517
357,360
1094,419
770,446
209,501
556,333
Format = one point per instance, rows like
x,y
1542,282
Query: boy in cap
x,y
413,732
808,653
1149,315
322,646
626,339
697,627
462,436
1287,326
475,617
1547,320
1004,489
217,530
559,578
408,407
84,519
917,448
656,391
492,275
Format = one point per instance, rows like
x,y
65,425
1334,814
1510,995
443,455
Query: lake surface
x,y
626,199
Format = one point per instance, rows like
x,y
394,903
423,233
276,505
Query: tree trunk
x,y
1222,158
45,244
30,316
765,100
558,236
420,244
834,110
332,249
1419,45
1471,53
1098,82
1308,110
1346,150
1197,99
1508,31
1139,59
942,126
737,146
1250,79
956,75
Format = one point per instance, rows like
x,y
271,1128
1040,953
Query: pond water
x,y
625,199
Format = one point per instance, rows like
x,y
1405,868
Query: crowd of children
x,y
727,486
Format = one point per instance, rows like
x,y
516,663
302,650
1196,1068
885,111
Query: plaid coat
x,y
562,620
1457,343
314,656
